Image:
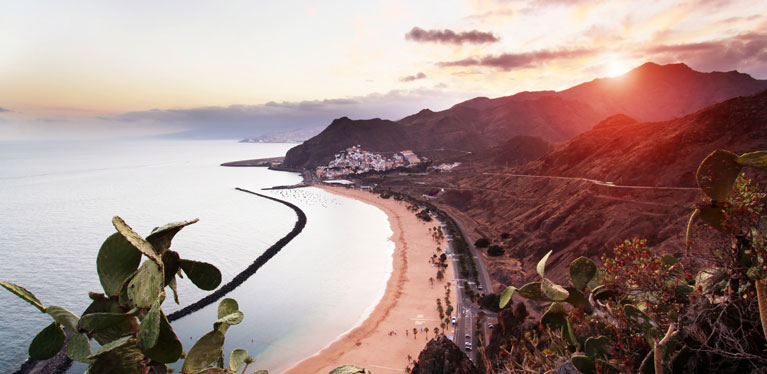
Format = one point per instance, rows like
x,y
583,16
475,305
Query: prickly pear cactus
x,y
127,319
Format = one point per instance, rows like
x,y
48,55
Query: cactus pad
x,y
596,346
227,306
555,317
161,237
116,261
532,291
754,159
135,239
237,358
578,300
583,363
47,343
79,348
506,296
553,292
168,348
206,351
541,267
24,294
146,286
582,271
63,317
149,329
170,261
717,173
202,274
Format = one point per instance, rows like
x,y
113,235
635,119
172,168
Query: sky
x,y
229,69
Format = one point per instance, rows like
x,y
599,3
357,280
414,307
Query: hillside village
x,y
355,160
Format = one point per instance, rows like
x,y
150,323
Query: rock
x,y
566,367
442,356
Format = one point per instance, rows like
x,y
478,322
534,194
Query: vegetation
x,y
127,319
468,268
490,301
644,311
495,250
482,243
424,215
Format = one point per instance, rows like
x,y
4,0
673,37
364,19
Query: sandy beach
x,y
383,342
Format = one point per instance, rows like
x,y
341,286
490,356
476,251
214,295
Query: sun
x,y
616,67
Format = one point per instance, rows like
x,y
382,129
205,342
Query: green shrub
x,y
495,250
482,243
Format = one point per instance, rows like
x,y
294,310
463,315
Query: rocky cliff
x,y
441,356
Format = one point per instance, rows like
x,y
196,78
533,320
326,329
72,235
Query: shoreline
x,y
383,341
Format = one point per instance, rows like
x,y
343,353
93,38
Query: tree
x,y
440,275
495,250
482,243
415,332
505,235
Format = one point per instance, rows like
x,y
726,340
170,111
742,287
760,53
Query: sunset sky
x,y
98,68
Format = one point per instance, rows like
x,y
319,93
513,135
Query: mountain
x,y
655,92
650,92
553,204
515,151
627,152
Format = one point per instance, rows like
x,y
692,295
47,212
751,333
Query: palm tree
x,y
436,331
415,332
427,332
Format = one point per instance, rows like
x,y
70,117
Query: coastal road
x,y
597,182
484,276
467,313
463,311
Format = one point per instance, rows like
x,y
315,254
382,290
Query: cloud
x,y
5,110
514,61
498,13
746,51
411,78
446,36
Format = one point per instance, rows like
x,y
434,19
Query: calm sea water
x,y
56,205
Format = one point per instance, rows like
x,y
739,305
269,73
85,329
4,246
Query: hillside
x,y
650,92
577,217
515,151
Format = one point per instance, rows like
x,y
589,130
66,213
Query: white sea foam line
x,y
381,292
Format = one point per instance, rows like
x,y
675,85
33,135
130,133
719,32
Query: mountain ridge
x,y
650,92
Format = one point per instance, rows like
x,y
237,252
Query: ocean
x,y
57,200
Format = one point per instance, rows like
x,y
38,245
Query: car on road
x,y
489,325
452,321
468,337
467,345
